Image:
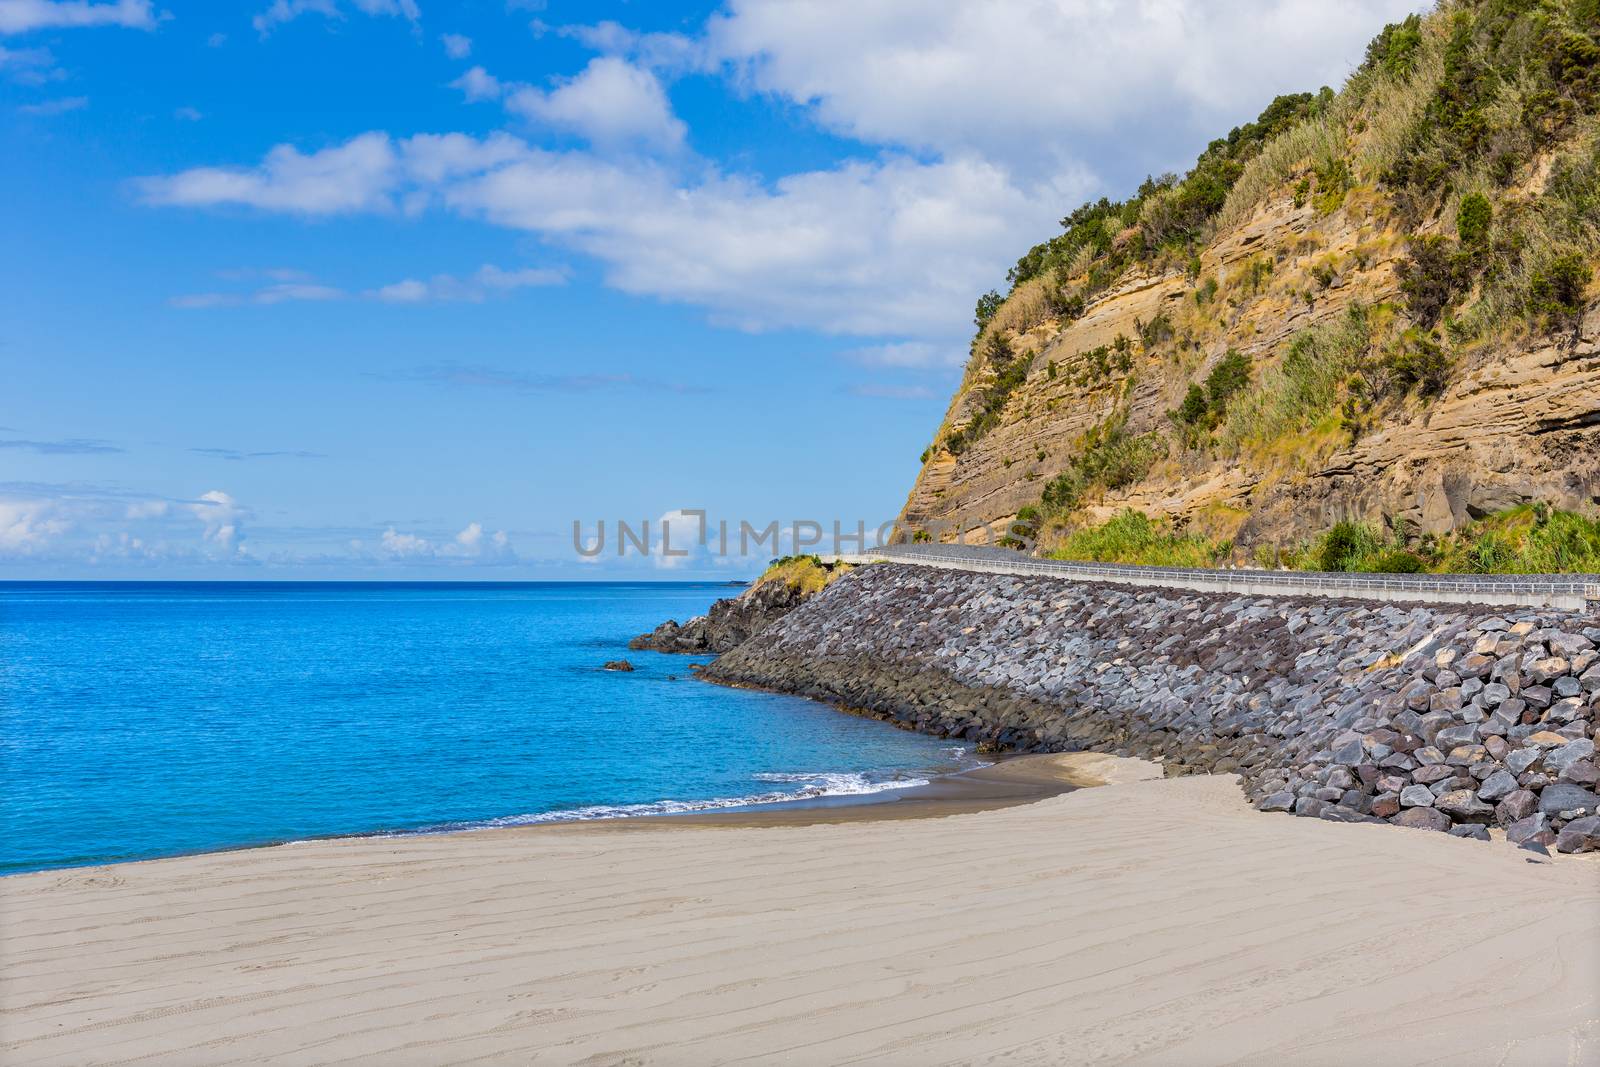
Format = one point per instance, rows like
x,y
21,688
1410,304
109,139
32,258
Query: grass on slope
x,y
1133,537
806,574
1531,539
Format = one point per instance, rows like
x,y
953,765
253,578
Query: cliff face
x,y
1311,253
1519,421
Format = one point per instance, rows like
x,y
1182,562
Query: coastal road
x,y
1567,592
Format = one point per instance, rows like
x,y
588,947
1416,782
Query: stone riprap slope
x,y
1445,718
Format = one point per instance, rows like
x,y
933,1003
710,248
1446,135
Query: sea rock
x,y
616,665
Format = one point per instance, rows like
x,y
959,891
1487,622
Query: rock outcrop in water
x,y
1443,718
729,622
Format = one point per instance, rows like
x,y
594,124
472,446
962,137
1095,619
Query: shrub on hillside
x,y
1430,278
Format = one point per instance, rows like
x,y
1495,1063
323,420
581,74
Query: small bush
x,y
1418,361
1430,278
1345,545
1398,561
1473,217
988,304
1556,291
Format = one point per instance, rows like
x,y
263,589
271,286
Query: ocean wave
x,y
811,787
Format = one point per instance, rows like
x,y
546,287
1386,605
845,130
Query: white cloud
x,y
216,40
1031,83
892,392
30,66
20,16
358,175
58,106
672,52
456,46
896,246
908,354
471,545
609,103
188,114
283,11
893,247
487,281
29,526
223,520
478,84
281,293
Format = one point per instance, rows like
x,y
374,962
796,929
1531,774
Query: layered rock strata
x,y
1450,718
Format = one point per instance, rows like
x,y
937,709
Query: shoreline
x,y
1154,920
1012,779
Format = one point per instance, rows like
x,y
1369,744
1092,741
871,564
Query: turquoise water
x,y
152,719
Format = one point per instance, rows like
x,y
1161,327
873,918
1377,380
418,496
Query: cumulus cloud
x,y
223,520
471,545
20,16
28,527
610,103
988,122
1028,83
478,84
358,175
894,246
88,524
283,11
456,46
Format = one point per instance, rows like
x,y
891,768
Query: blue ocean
x,y
153,719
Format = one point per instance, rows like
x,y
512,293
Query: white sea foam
x,y
811,785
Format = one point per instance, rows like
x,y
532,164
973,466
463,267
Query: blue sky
x,y
383,288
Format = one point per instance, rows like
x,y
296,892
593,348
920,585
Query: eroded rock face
x,y
1330,708
1520,421
729,622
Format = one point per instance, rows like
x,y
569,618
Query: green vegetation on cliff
x,y
1459,167
803,574
1531,539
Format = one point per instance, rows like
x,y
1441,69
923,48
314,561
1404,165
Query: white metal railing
x,y
1571,592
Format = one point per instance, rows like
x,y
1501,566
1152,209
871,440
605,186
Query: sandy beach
x,y
1148,921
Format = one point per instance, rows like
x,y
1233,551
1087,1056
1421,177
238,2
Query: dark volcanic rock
x,y
1326,708
616,665
1580,835
729,623
1423,819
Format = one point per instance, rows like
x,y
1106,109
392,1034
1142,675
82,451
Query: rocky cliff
x,y
1419,344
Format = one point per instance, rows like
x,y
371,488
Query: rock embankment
x,y
728,623
1450,718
